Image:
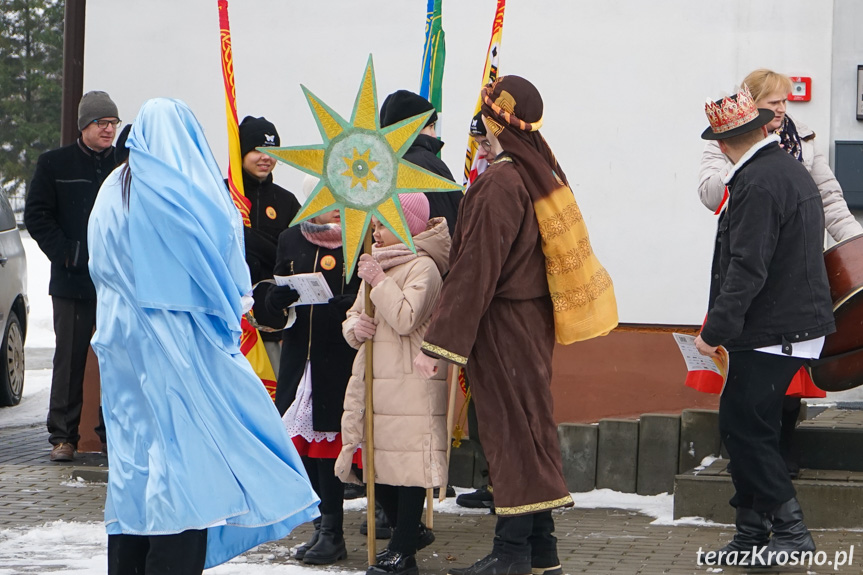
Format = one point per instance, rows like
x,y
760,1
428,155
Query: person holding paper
x,y
770,307
315,368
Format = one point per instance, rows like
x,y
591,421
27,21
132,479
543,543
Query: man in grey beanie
x,y
58,206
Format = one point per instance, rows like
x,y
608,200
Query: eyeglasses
x,y
105,123
486,145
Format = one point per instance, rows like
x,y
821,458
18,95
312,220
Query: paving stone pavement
x,y
34,491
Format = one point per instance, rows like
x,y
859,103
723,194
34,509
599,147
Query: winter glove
x,y
279,298
365,328
340,304
370,270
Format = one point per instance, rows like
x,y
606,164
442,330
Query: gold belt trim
x,y
445,354
535,507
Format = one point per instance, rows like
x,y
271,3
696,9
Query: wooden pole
x,y
370,420
430,506
73,69
450,413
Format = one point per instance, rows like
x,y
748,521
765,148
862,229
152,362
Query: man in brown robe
x,y
498,317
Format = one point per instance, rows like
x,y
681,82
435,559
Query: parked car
x,y
13,306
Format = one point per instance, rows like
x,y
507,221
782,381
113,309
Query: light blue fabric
x,y
194,439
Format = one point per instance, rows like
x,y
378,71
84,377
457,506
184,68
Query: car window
x,y
7,216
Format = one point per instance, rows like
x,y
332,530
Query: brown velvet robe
x,y
495,317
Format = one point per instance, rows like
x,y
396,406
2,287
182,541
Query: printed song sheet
x,y
697,362
312,288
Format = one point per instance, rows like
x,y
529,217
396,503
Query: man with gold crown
x,y
522,275
770,307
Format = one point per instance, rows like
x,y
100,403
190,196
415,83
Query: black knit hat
x,y
477,128
404,104
256,133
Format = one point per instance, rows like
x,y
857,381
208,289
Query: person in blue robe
x,y
201,467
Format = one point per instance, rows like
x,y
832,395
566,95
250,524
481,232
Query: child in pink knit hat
x,y
410,411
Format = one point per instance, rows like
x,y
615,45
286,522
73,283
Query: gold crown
x,y
731,112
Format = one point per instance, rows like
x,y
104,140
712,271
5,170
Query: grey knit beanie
x,y
95,105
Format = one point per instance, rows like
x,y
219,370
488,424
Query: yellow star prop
x,y
360,169
380,171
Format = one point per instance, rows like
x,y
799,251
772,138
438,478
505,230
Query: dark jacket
x,y
273,208
317,332
58,206
423,153
769,284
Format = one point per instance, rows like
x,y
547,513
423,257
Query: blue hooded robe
x,y
194,439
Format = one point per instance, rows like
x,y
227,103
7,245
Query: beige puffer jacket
x,y
838,220
410,412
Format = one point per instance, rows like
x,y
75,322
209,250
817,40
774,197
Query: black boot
x,y
394,563
482,498
495,564
510,552
789,532
543,546
426,538
331,542
753,532
383,529
301,550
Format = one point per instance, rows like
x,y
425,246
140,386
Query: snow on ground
x,y
70,548
63,548
33,408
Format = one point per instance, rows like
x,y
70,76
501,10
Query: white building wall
x,y
624,84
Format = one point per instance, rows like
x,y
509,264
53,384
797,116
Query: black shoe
x,y
495,565
549,566
450,491
789,532
331,543
426,538
382,525
354,491
753,532
394,563
480,499
553,570
301,550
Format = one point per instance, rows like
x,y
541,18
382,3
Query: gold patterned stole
x,y
581,289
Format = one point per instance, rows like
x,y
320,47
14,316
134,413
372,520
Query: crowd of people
x,y
148,249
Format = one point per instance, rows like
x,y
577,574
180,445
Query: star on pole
x,y
361,169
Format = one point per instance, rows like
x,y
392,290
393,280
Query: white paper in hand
x,y
312,288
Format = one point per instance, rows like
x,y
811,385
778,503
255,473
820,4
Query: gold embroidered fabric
x,y
445,354
582,295
535,507
560,223
581,289
571,260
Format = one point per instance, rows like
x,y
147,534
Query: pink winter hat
x,y
416,210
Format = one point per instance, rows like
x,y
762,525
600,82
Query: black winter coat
x,y
273,209
769,284
423,153
58,206
317,332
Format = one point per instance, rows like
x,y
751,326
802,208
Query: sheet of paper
x,y
697,362
312,288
